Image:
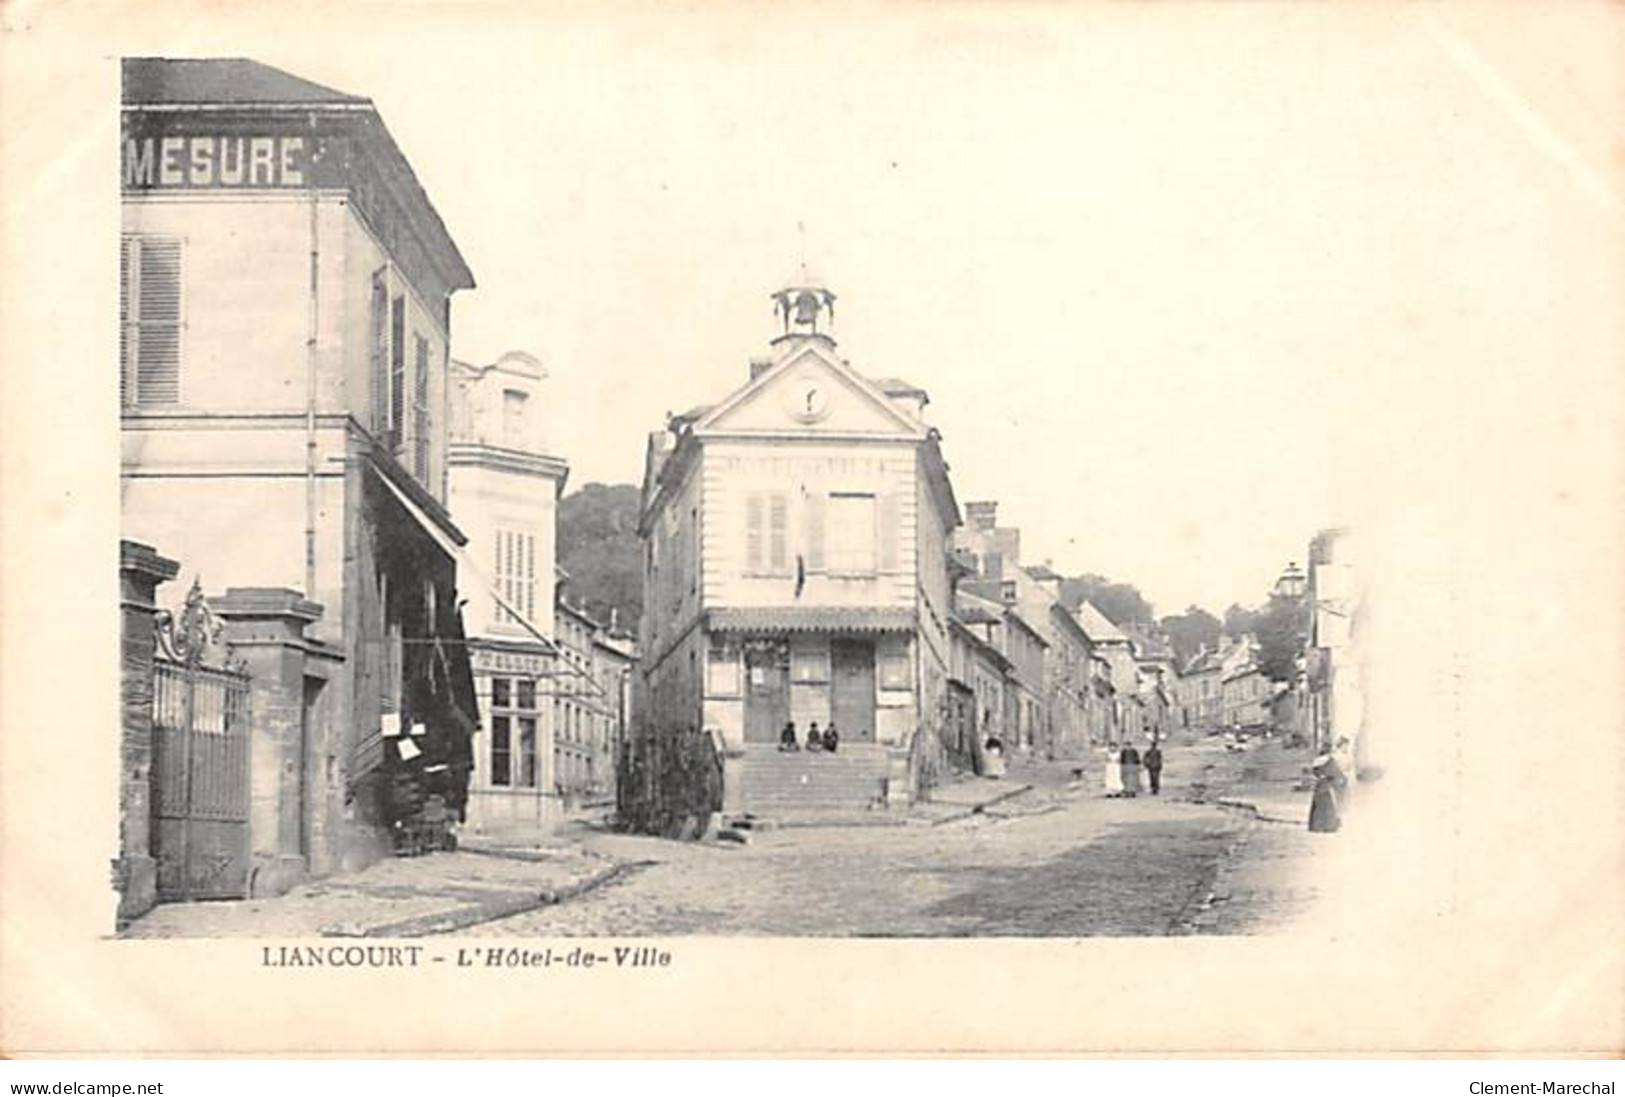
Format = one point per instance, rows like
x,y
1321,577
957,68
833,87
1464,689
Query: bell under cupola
x,y
805,310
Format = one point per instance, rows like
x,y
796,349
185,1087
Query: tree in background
x,y
1122,603
1239,621
1280,630
1191,631
598,547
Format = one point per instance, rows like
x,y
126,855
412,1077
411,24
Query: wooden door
x,y
852,689
767,692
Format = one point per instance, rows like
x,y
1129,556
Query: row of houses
x,y
344,628
807,563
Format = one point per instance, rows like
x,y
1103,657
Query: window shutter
x,y
126,276
778,513
815,531
753,532
397,369
420,408
379,375
158,306
530,575
886,518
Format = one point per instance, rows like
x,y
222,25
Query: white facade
x,y
503,488
796,539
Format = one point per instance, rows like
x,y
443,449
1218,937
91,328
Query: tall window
x,y
516,574
397,372
767,546
149,321
513,732
420,408
851,524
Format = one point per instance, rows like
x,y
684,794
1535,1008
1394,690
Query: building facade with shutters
x,y
796,540
503,485
285,293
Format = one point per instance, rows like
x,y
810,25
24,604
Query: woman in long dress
x,y
1324,814
1130,759
1113,774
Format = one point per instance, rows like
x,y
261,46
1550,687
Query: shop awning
x,y
467,567
781,619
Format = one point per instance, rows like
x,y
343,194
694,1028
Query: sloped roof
x,y
220,80
1201,663
1147,647
1096,626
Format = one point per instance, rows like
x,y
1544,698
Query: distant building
x,y
1042,671
796,559
1200,691
1117,670
591,706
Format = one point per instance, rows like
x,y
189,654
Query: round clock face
x,y
807,399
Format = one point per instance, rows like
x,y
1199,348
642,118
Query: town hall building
x,y
796,539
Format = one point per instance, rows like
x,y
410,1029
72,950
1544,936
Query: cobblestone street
x,y
1059,860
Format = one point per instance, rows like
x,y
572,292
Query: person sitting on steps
x,y
832,738
787,737
815,741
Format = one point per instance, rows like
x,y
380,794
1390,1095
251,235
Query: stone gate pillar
x,y
135,873
265,627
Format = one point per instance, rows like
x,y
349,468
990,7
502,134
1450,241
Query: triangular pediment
x,y
810,391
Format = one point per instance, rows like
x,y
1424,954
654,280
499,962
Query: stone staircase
x,y
771,783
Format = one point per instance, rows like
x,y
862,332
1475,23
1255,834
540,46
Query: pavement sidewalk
x,y
398,897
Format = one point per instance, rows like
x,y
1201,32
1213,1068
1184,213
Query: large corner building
x,y
285,308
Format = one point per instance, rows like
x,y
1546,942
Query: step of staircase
x,y
775,782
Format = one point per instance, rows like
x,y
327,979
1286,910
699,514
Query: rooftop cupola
x,y
805,309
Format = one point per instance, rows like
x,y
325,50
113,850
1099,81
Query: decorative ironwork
x,y
198,636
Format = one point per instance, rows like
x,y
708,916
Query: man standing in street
x,y
1153,767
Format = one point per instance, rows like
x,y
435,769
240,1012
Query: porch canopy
x,y
777,620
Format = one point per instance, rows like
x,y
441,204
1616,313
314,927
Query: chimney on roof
x,y
759,366
983,514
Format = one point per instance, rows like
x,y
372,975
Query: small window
x,y
500,692
513,418
526,693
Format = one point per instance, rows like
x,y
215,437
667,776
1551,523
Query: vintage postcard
x,y
823,529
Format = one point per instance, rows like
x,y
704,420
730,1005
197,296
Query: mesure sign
x,y
168,150
209,160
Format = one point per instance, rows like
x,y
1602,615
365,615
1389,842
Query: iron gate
x,y
199,760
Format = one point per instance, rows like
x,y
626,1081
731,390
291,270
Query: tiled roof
x,y
220,80
973,614
1095,625
812,619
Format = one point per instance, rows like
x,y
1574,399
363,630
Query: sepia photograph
x,y
764,663
776,509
